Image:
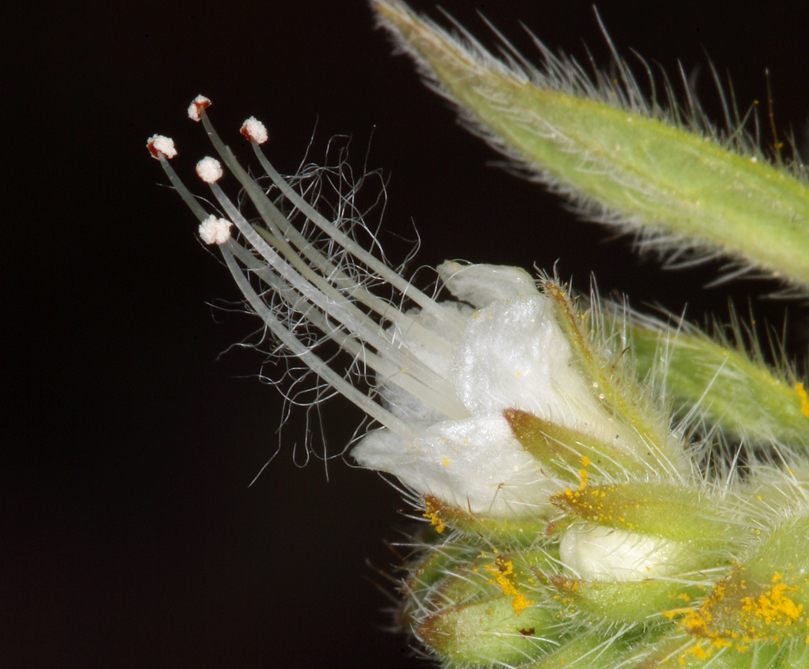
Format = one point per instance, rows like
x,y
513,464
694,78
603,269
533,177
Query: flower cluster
x,y
568,517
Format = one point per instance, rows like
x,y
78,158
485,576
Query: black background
x,y
128,533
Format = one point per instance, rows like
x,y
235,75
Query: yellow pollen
x,y
804,398
503,572
583,474
432,513
773,606
700,653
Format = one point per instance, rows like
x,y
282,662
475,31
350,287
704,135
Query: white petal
x,y
475,463
400,402
597,553
513,355
424,353
480,285
408,407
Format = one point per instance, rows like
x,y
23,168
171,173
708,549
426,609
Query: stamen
x,y
350,344
254,130
160,145
154,146
317,292
197,106
314,363
214,230
378,267
209,170
433,388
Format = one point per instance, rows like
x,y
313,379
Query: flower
x,y
489,406
472,459
441,373
510,354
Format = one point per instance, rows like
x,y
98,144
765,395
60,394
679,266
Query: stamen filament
x,y
332,302
350,344
384,272
318,366
185,194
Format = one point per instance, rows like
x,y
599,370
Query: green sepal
x,y
686,653
630,601
491,606
765,597
665,510
649,168
617,392
602,649
489,632
743,396
565,451
436,562
518,530
481,577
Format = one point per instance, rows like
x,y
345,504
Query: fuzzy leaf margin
x,y
626,161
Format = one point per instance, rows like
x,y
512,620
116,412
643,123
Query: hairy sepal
x,y
489,611
721,383
516,530
765,597
667,510
635,602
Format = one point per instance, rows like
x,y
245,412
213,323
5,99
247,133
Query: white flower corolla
x,y
511,354
441,374
475,462
598,553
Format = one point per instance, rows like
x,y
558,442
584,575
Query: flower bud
x,y
491,609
